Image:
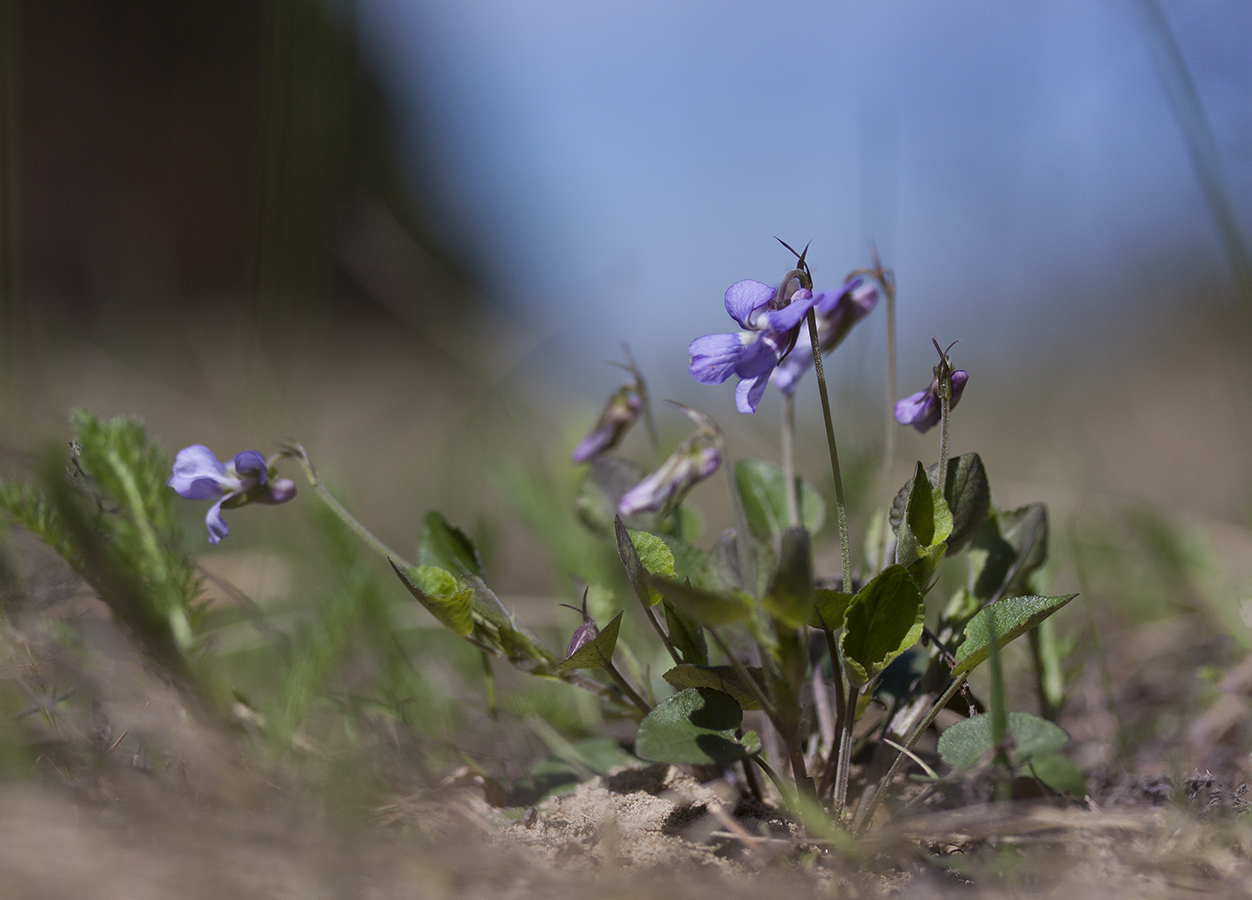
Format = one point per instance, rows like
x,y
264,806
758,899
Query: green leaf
x,y
721,570
597,653
688,561
1060,774
635,571
926,525
964,744
719,678
829,608
1007,549
687,636
656,556
965,491
437,590
1011,617
448,547
697,727
762,486
705,607
883,620
790,593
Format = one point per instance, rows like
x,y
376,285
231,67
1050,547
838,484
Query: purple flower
x,y
837,311
199,476
665,488
923,409
770,320
619,414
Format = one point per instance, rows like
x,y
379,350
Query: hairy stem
x,y
841,506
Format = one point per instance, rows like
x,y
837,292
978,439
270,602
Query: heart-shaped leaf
x,y
883,620
719,678
964,744
687,636
697,727
925,528
829,608
966,492
1007,549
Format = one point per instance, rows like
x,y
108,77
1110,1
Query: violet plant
x,y
770,663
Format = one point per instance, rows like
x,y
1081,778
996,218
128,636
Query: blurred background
x,y
410,234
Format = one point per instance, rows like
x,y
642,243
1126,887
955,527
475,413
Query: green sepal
x,y
597,653
695,727
1011,617
719,678
883,620
437,590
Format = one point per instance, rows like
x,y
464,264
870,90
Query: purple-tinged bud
x,y
665,488
621,412
585,633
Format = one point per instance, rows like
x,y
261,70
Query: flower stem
x,y
300,455
887,283
620,680
789,459
868,807
841,507
945,406
747,563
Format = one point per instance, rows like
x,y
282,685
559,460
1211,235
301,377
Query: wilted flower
x,y
771,321
837,311
619,414
199,476
923,409
665,488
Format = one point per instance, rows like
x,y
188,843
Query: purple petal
x,y
715,357
787,318
958,381
215,523
281,490
788,373
198,475
743,298
710,459
647,496
917,410
592,445
748,393
251,465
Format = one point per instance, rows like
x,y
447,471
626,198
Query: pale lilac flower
x,y
770,320
923,409
837,311
665,488
619,414
199,476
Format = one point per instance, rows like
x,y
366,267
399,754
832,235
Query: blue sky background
x,y
613,167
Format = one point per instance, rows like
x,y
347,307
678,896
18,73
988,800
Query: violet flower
x,y
619,414
837,311
770,320
923,409
665,488
199,476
